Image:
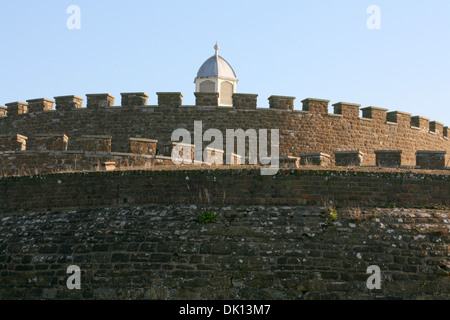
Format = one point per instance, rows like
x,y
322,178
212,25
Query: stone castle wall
x,y
230,186
312,130
138,235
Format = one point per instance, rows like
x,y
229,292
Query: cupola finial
x,y
217,47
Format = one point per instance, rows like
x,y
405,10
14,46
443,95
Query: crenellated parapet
x,y
68,103
305,129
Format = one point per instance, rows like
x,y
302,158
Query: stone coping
x,y
245,94
375,108
348,152
316,100
40,100
162,93
134,94
281,97
388,151
347,104
143,140
400,112
421,118
99,95
68,97
430,152
319,154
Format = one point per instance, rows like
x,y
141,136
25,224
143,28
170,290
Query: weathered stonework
x,y
32,162
300,131
421,123
3,111
289,162
100,100
245,101
281,102
143,146
15,108
431,159
51,142
38,105
170,99
142,253
390,159
13,142
375,113
207,99
134,99
141,238
348,158
437,128
68,103
317,106
315,159
96,143
348,110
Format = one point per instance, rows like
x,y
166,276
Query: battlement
x,y
241,101
141,126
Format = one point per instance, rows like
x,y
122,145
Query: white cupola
x,y
217,75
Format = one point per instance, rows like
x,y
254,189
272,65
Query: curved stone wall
x,y
310,131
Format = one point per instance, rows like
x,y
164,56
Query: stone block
x,y
143,146
15,108
315,159
421,123
437,128
289,162
106,166
134,99
375,113
317,106
3,111
348,110
206,99
92,143
42,104
99,100
388,158
51,142
170,99
245,101
281,102
401,118
14,142
68,103
434,160
348,158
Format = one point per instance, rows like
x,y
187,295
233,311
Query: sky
x,y
326,49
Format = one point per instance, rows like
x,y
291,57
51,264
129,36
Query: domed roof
x,y
216,66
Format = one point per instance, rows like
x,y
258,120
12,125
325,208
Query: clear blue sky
x,y
318,49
